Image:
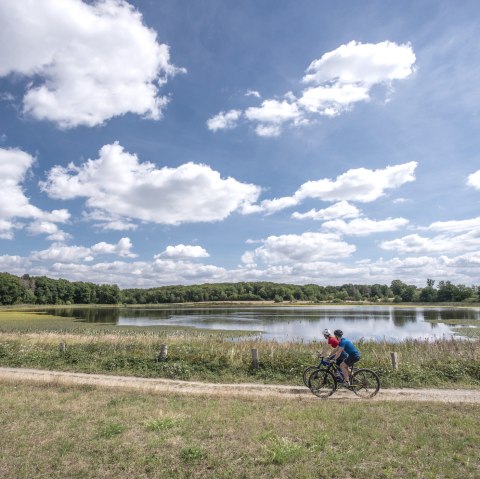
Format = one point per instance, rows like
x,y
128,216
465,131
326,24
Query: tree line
x,y
43,290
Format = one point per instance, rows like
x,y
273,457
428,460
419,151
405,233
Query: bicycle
x,y
324,380
309,370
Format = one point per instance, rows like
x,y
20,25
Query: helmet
x,y
327,332
338,332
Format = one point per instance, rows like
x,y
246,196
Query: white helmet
x,y
327,332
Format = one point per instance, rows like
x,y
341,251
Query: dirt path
x,y
238,390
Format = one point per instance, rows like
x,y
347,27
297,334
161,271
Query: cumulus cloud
x,y
119,186
14,205
304,248
364,226
224,120
335,83
47,227
359,184
342,209
181,251
90,61
474,180
62,253
445,243
271,114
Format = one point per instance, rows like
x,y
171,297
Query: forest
x,y
43,290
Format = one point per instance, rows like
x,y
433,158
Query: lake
x,y
288,323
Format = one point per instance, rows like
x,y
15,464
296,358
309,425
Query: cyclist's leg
x,y
339,362
347,366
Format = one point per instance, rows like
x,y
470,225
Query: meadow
x,y
31,340
52,431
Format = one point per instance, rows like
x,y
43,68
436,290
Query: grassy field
x,y
52,432
32,340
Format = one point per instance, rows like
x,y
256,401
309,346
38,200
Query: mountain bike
x,y
309,370
324,380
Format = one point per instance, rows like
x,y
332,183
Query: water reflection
x,y
288,323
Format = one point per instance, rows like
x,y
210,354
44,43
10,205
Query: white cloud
x,y
93,61
14,166
474,180
360,184
273,111
6,229
224,120
364,226
342,209
253,93
448,244
62,253
118,184
181,251
304,248
47,227
122,248
365,64
72,254
268,130
335,83
456,225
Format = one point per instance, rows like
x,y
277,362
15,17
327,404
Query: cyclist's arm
x,y
338,351
325,349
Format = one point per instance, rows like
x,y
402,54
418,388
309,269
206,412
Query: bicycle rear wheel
x,y
307,372
322,383
365,383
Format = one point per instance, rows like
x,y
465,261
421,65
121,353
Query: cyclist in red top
x,y
332,341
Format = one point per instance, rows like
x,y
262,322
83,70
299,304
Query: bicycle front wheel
x,y
365,383
307,372
322,383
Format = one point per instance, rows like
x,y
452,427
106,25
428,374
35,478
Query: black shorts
x,y
351,360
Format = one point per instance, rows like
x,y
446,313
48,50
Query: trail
x,y
248,390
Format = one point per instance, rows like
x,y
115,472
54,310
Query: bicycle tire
x,y
365,383
322,383
307,372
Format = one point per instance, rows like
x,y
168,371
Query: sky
x,y
165,142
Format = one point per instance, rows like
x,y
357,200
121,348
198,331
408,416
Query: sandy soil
x,y
237,390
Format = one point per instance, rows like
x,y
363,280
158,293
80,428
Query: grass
x,y
81,432
31,340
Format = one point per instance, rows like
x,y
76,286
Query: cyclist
x,y
345,346
332,341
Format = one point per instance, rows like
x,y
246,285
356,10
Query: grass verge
x,y
81,432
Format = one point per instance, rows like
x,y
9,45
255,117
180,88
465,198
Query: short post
x,y
163,353
394,360
62,347
255,359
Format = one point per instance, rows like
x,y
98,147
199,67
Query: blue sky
x,y
178,142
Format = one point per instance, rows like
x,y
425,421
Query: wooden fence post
x,y
163,353
255,359
62,347
394,360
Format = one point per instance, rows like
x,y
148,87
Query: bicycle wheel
x,y
365,383
322,383
307,372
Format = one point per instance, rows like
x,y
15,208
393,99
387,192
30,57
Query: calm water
x,y
290,323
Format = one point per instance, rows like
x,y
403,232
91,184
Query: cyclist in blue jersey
x,y
346,346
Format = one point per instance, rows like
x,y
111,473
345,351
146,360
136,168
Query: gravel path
x,y
237,390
